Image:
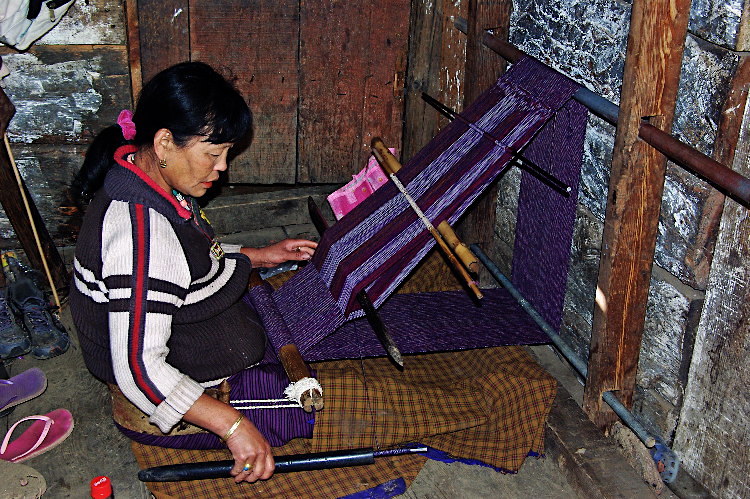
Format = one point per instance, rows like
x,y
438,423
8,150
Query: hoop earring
x,y
163,163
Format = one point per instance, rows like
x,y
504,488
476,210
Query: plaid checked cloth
x,y
488,404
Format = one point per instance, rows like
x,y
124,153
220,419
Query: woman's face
x,y
192,169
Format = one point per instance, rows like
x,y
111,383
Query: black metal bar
x,y
718,175
563,348
666,455
284,464
525,163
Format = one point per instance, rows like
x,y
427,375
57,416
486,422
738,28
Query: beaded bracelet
x,y
233,428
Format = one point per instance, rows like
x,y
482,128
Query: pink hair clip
x,y
125,120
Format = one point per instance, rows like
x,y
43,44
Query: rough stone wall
x,y
70,84
586,40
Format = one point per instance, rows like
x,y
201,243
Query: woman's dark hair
x,y
189,99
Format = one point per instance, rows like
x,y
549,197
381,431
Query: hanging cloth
x,y
22,22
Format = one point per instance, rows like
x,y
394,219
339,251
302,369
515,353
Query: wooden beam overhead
x,y
651,76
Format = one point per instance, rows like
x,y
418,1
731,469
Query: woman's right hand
x,y
249,447
247,444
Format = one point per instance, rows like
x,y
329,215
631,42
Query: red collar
x,y
122,152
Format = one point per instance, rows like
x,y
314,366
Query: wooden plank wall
x,y
437,55
322,78
256,43
352,61
163,24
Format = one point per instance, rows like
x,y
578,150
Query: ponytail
x,y
99,158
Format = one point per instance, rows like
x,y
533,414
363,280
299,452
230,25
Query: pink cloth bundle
x,y
363,184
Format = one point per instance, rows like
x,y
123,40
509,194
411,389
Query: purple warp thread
x,y
433,322
545,219
377,244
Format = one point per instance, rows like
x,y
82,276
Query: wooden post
x,y
652,69
13,204
715,416
483,67
132,30
700,255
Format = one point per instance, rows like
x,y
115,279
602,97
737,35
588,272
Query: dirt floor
x,y
96,448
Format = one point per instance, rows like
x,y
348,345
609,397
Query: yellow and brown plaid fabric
x,y
488,404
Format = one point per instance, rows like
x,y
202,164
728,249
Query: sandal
x,y
21,481
42,435
22,387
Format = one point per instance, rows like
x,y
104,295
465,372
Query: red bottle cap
x,y
101,487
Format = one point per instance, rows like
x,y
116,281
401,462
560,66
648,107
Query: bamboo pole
x,y
31,222
391,165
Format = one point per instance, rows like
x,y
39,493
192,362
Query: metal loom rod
x,y
609,397
720,176
283,464
529,165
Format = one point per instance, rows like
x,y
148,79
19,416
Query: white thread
x,y
293,399
296,389
275,406
412,203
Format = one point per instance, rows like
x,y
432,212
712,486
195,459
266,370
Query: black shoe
x,y
48,336
14,340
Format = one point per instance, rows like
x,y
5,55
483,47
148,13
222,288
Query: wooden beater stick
x,y
391,165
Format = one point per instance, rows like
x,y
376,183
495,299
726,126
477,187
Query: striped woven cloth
x,y
376,245
488,404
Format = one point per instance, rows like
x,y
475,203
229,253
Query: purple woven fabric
x,y
277,331
265,381
376,245
432,322
544,226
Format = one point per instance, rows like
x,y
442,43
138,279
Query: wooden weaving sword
x,y
364,301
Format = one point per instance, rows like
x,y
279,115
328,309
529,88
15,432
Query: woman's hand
x,y
248,445
252,455
283,251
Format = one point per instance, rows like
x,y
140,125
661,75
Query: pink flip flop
x,y
22,387
42,435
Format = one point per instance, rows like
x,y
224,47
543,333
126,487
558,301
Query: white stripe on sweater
x,y
89,278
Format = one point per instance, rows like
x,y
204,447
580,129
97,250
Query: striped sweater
x,y
155,312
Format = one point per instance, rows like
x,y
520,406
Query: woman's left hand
x,y
283,251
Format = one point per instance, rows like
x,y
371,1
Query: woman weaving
x,y
156,300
